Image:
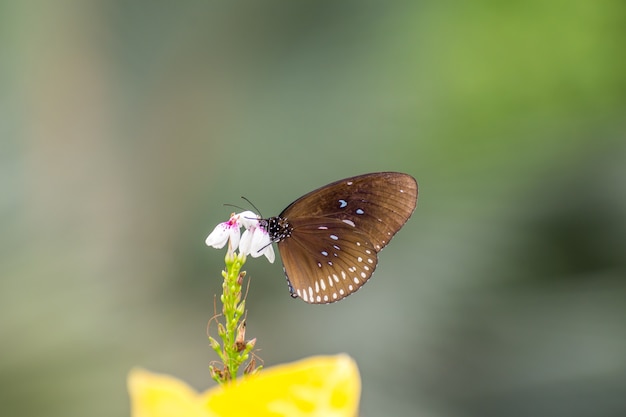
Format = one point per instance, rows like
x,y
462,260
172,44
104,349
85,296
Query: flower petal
x,y
317,386
234,237
246,242
219,236
248,219
260,241
154,395
269,253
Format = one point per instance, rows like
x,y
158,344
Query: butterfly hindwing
x,y
325,259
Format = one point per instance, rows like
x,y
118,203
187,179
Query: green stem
x,y
235,350
232,310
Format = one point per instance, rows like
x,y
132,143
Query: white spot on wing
x,y
334,237
348,221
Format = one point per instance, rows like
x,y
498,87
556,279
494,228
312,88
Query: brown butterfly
x,y
329,238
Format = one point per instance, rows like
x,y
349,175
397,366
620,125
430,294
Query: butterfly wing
x,y
326,259
376,204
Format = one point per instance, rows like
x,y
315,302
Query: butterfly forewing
x,y
376,204
325,259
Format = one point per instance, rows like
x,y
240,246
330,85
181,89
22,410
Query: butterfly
x,y
329,238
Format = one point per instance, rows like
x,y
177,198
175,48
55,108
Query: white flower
x,y
224,232
255,241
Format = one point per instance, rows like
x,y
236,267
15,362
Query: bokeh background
x,y
125,126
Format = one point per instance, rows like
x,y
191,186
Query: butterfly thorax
x,y
277,227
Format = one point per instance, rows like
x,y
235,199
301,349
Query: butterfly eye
x,y
329,238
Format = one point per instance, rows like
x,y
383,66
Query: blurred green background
x,y
125,126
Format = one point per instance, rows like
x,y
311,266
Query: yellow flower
x,y
327,386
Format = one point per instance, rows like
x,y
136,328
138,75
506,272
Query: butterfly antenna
x,y
255,207
235,206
